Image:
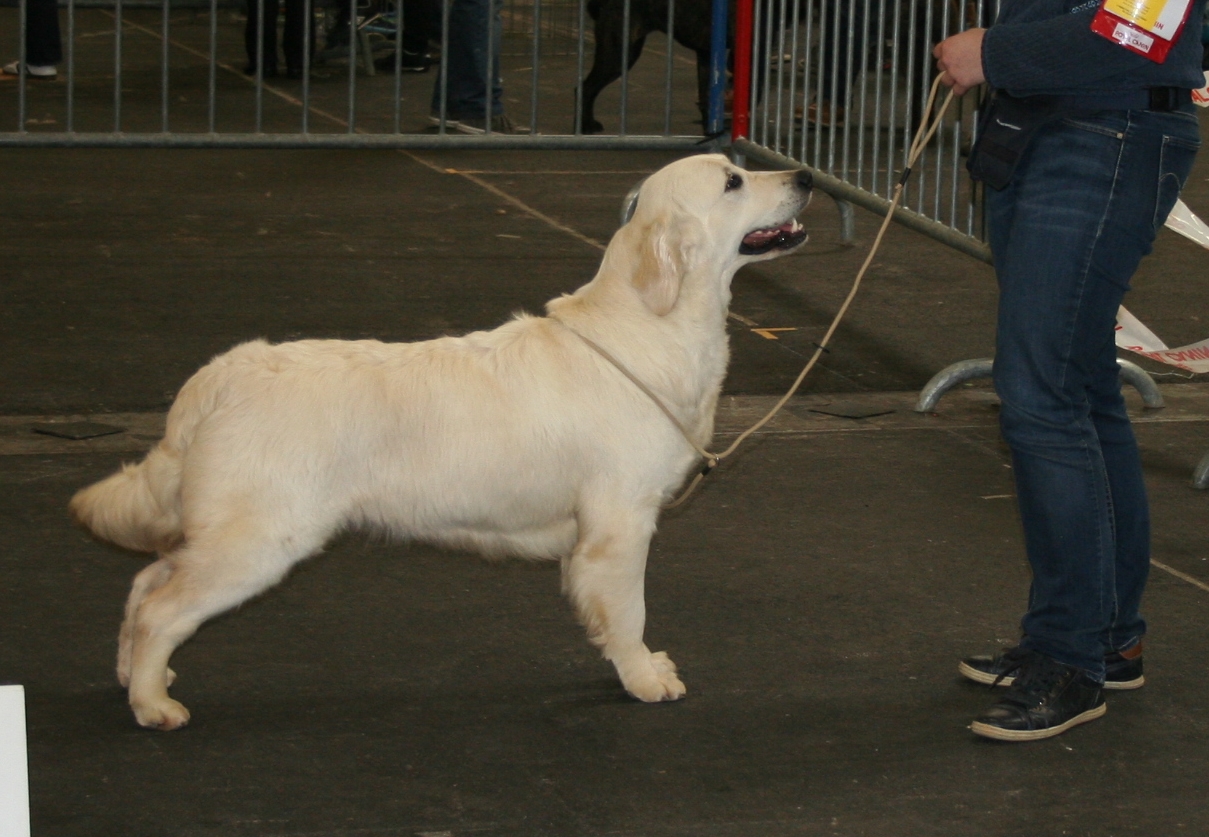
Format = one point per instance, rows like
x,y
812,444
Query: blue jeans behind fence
x,y
466,52
1067,234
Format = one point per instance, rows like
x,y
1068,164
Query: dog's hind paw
x,y
124,676
658,683
167,714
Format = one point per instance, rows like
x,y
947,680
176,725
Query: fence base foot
x,y
949,377
966,370
847,221
1200,477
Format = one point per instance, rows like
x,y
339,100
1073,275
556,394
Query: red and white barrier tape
x,y
1135,337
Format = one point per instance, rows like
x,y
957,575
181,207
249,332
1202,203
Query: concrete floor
x,y
817,592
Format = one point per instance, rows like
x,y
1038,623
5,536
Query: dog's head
x,y
705,215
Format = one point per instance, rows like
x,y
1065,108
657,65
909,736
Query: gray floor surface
x,y
817,592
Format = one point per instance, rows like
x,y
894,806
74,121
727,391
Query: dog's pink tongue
x,y
758,237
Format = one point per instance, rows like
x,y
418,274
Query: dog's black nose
x,y
804,180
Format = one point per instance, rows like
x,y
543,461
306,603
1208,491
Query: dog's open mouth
x,y
758,242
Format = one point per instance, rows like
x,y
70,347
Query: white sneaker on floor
x,y
500,124
40,71
451,124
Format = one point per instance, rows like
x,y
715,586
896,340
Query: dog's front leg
x,y
604,577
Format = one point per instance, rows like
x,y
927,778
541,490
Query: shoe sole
x,y
451,125
474,130
977,676
1000,734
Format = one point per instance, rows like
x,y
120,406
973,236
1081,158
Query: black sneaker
x,y
409,62
1123,668
1046,698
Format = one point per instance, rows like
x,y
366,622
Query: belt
x,y
1162,99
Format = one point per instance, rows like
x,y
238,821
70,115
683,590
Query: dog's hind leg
x,y
152,577
206,576
604,577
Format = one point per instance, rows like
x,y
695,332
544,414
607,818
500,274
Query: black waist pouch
x,y
1006,125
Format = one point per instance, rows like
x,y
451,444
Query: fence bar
x,y
212,79
22,26
780,62
537,40
807,60
741,106
841,190
260,61
443,94
875,165
397,118
496,141
164,41
117,67
71,66
794,24
579,69
717,65
625,64
353,32
308,23
489,73
667,70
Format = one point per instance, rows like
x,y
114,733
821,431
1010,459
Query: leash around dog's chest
x,y
926,129
710,458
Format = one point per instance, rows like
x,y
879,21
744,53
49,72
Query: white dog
x,y
523,441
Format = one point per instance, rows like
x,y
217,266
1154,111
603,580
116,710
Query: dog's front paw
x,y
656,681
166,714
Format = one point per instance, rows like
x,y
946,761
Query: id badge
x,y
1147,27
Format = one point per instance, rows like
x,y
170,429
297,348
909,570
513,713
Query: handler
x,y
1086,143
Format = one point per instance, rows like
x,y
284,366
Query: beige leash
x,y
926,129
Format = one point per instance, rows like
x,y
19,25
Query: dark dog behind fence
x,y
922,23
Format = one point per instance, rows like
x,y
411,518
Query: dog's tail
x,y
139,507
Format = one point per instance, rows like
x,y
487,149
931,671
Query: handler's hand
x,y
959,59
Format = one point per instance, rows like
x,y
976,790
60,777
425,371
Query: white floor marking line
x,y
1195,582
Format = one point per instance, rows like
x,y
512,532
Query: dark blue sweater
x,y
1047,46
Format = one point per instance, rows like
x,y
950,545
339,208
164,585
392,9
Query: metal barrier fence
x,y
195,73
838,86
834,86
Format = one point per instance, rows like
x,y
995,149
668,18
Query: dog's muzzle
x,y
787,235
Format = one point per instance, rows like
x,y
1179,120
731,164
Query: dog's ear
x,y
664,255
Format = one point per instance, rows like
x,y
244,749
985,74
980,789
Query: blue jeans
x,y
1067,234
466,52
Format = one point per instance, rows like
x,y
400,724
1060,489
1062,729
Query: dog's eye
x,y
733,182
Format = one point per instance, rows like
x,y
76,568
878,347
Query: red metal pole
x,y
741,100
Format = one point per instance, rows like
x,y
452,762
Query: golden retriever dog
x,y
523,441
